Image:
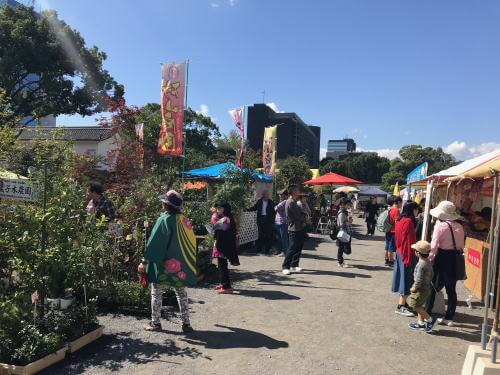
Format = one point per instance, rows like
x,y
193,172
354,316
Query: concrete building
x,y
89,140
339,147
294,136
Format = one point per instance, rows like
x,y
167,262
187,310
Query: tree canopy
x,y
366,167
293,170
47,69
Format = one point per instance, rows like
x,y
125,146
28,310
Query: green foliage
x,y
126,293
236,190
42,54
367,167
293,170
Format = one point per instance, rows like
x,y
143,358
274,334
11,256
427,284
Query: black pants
x,y
445,275
265,240
223,273
370,225
343,248
295,245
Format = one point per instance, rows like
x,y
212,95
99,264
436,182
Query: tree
x,y
293,170
415,155
367,167
46,67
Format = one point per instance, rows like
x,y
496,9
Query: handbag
x,y
343,236
460,258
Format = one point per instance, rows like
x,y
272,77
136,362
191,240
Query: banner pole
x,y
183,131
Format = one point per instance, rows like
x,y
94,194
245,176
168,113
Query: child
x,y
421,289
225,244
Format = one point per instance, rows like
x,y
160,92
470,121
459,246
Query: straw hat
x,y
445,211
423,247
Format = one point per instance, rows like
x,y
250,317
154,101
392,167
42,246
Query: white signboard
x,y
16,189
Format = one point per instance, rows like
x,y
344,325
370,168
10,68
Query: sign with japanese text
x,y
418,174
269,150
19,189
173,85
474,257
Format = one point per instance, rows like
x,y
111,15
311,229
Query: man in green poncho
x,y
170,260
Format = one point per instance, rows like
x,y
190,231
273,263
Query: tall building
x,y
294,136
339,147
49,120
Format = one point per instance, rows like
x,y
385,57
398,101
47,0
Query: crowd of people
x,y
420,269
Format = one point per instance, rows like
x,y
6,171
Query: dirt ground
x,y
325,320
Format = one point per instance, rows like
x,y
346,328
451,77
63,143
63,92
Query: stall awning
x,y
487,166
10,175
372,191
218,171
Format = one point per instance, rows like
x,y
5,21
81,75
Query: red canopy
x,y
332,179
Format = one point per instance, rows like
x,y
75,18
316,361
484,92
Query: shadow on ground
x,y
116,351
272,295
233,338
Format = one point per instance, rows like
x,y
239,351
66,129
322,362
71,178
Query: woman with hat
x,y
225,244
170,260
406,260
448,239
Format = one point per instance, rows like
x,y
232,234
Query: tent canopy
x,y
346,189
218,171
4,173
332,179
372,191
485,166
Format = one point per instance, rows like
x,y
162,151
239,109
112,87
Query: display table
x,y
476,264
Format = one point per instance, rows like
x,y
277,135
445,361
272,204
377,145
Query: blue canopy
x,y
372,191
219,170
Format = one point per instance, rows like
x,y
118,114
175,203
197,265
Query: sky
x,y
386,72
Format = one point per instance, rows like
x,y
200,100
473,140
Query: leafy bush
x,y
126,293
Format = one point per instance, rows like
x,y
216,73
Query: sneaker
x,y
186,328
225,291
218,286
403,310
417,326
341,265
297,269
153,327
281,254
386,262
286,272
429,326
445,322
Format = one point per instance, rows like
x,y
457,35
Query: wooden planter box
x,y
79,343
36,366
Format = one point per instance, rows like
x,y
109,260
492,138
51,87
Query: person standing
x,y
170,260
323,204
296,228
225,244
405,235
343,224
371,216
390,242
99,205
265,220
281,222
448,239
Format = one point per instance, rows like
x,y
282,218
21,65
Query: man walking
x,y
296,230
371,216
265,222
281,222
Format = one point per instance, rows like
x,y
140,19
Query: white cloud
x,y
214,5
274,107
462,151
322,153
390,153
232,2
203,110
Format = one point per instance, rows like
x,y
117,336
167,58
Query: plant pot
x,y
36,366
54,303
66,302
79,343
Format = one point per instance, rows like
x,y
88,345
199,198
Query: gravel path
x,y
326,320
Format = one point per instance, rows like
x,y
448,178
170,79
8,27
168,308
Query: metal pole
x,y
44,238
494,350
428,198
183,133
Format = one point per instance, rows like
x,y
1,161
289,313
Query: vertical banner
x,y
269,150
238,117
173,86
139,133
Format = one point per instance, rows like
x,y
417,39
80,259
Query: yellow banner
x,y
269,150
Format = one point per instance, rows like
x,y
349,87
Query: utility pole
x,y
263,96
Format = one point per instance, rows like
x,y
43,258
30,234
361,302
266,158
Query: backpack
x,y
383,222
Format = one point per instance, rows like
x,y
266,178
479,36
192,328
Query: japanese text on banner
x,y
269,150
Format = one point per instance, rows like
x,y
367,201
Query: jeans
x,y
157,291
223,273
370,226
265,240
283,234
296,243
342,247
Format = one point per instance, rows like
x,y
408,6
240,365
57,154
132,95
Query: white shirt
x,y
264,207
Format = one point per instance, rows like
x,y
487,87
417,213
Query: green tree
x,y
293,170
46,67
367,167
415,155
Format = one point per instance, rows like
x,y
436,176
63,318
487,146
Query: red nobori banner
x,y
173,86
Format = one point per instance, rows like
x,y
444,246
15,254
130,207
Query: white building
x,y
87,140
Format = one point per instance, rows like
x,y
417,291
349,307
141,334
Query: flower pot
x,y
54,303
79,343
66,302
36,366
